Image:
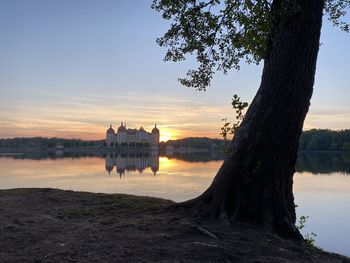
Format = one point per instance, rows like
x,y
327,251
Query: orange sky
x,y
89,118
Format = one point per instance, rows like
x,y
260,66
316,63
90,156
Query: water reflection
x,y
314,163
323,162
198,156
132,161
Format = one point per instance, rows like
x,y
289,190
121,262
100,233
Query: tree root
x,y
201,210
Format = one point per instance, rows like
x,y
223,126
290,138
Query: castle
x,y
132,137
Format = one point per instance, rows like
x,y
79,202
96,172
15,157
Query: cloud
x,y
333,118
87,117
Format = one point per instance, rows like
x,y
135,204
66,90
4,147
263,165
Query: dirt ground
x,y
50,225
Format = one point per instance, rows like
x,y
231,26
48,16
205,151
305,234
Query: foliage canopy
x,y
223,33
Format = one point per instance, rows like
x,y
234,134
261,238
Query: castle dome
x,y
155,129
121,128
110,130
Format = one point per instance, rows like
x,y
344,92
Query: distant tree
x,y
67,144
333,147
313,145
51,145
346,146
255,181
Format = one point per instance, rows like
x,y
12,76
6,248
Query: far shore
x,y
101,149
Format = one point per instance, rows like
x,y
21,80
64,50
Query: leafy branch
x,y
309,237
239,107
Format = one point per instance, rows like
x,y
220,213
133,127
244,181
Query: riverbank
x,y
50,225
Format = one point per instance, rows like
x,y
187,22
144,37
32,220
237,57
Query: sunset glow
x,y
73,83
168,134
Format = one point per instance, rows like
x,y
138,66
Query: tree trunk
x,y
255,182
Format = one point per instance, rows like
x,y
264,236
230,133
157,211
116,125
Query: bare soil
x,y
50,225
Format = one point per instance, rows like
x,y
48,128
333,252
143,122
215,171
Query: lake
x,y
321,184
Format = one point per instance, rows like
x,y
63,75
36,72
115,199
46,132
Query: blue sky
x,y
68,68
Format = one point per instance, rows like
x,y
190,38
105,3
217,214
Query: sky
x,y
70,68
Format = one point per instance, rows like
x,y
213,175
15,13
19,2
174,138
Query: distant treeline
x,y
325,140
41,142
312,140
195,142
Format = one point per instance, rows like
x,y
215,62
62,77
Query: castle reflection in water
x,y
132,161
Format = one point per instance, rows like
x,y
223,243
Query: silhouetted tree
x,y
255,181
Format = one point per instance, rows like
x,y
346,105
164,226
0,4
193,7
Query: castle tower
x,y
110,136
155,137
121,134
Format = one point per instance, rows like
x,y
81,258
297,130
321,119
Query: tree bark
x,y
255,182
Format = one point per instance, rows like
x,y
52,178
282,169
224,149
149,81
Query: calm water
x,y
322,182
